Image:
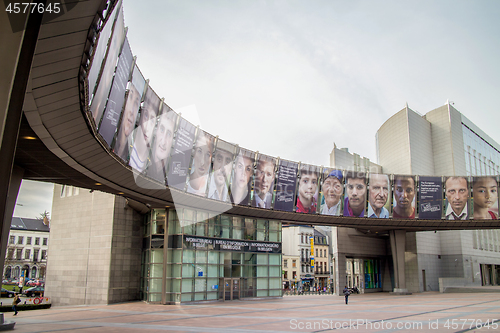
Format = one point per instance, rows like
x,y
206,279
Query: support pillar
x,y
340,273
398,242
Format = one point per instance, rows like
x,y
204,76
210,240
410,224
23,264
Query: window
x,y
44,241
44,254
37,241
20,240
12,239
294,263
285,263
27,254
28,240
10,254
301,238
285,275
303,269
19,253
35,255
294,274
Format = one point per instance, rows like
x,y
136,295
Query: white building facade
x,y
27,249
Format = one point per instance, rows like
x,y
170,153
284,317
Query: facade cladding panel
x,y
393,144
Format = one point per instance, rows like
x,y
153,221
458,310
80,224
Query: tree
x,y
45,216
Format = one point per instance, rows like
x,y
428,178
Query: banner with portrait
x,y
162,144
264,181
331,192
106,76
143,133
307,189
403,202
114,106
286,185
129,115
181,155
241,181
100,50
485,198
222,167
379,194
355,194
201,163
430,198
457,195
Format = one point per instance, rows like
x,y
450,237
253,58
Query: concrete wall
x,y
422,161
93,258
393,148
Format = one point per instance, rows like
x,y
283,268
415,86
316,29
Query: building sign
x,y
312,251
234,245
430,197
285,188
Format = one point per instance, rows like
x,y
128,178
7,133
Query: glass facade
x,y
220,257
481,158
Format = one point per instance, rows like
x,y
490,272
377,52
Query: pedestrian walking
x,y
347,292
15,302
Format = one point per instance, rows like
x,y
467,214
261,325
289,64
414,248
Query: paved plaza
x,y
379,312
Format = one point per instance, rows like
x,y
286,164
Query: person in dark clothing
x,y
347,292
15,301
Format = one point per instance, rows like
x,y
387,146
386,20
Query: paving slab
x,y
377,312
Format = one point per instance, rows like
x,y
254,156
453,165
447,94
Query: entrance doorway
x,y
230,289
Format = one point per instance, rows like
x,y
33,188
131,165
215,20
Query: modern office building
x,y
27,249
441,142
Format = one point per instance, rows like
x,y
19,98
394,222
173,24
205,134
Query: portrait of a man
x,y
404,197
264,183
355,189
378,195
457,196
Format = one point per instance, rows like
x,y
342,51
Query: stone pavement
x,y
379,312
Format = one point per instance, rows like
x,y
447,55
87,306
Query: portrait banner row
x,y
164,149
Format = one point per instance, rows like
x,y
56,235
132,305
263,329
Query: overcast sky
x,y
290,78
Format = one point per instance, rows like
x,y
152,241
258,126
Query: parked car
x,y
7,293
34,291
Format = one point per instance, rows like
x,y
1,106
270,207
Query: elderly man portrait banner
x,y
116,98
355,194
181,154
285,185
404,197
332,190
378,194
457,195
307,192
430,198
264,182
485,198
221,171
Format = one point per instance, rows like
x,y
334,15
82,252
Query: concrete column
x,y
340,275
13,190
19,34
398,240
